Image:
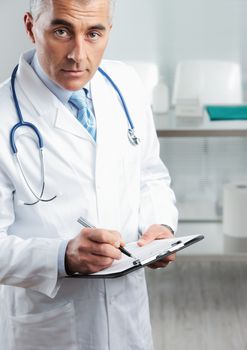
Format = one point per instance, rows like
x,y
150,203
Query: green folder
x,y
238,112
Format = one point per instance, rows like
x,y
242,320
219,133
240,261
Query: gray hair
x,y
36,7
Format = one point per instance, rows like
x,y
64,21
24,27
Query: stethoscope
x,y
134,140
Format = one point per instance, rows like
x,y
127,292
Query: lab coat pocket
x,y
54,330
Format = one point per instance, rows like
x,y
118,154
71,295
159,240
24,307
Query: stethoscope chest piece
x,y
134,140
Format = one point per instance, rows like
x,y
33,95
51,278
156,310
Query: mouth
x,y
74,72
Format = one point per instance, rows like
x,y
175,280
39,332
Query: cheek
x,y
97,53
49,47
51,55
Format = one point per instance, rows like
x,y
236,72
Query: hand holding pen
x,y
85,223
92,250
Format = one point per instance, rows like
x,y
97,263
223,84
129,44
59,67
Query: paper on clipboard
x,y
145,255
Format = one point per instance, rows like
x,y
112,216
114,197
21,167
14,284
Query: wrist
x,y
67,261
169,228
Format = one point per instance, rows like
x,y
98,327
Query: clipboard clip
x,y
176,246
137,262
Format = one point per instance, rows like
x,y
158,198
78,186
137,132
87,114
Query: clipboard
x,y
148,254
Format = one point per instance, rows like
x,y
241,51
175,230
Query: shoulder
x,y
6,101
7,107
5,90
114,65
7,112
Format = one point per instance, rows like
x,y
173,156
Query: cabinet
x,y
201,159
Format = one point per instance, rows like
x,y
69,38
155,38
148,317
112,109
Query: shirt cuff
x,y
169,228
61,259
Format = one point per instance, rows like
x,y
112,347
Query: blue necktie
x,y
84,114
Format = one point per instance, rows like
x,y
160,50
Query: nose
x,y
77,52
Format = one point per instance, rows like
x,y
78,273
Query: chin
x,y
72,85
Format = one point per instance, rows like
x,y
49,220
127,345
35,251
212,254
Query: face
x,y
70,37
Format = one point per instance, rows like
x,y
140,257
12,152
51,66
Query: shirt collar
x,y
62,94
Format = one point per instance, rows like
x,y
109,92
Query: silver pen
x,y
85,223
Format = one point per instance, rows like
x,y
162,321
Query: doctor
x,y
89,166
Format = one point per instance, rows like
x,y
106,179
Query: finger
x,y
106,250
154,232
104,236
163,262
100,261
171,257
168,258
158,265
146,238
118,235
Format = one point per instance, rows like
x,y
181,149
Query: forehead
x,y
73,10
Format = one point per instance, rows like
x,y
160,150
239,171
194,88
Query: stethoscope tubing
x,y
120,95
29,125
21,123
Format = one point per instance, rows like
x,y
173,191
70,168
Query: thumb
x,y
146,238
153,232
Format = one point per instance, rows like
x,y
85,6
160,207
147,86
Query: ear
x,y
28,21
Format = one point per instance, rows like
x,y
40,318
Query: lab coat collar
x,y
45,103
33,88
62,94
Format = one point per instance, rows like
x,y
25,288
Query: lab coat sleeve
x,y
157,204
26,263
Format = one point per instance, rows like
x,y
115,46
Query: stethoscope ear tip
x,y
20,203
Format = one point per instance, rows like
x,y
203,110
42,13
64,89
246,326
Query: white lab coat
x,y
112,184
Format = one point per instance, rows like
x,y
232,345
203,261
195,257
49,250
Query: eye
x,y
62,33
94,36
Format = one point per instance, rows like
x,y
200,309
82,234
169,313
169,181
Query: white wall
x,y
167,32
162,31
13,38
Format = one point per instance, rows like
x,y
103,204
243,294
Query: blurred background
x,y
190,55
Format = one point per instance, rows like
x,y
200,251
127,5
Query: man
x,y
90,169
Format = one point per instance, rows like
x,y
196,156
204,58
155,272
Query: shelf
x,y
168,125
214,242
201,133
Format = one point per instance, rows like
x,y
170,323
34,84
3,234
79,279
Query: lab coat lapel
x,y
46,104
67,122
111,121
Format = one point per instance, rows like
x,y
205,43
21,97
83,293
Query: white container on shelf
x,y
235,218
160,100
234,208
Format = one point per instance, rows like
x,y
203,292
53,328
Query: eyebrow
x,y
63,22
